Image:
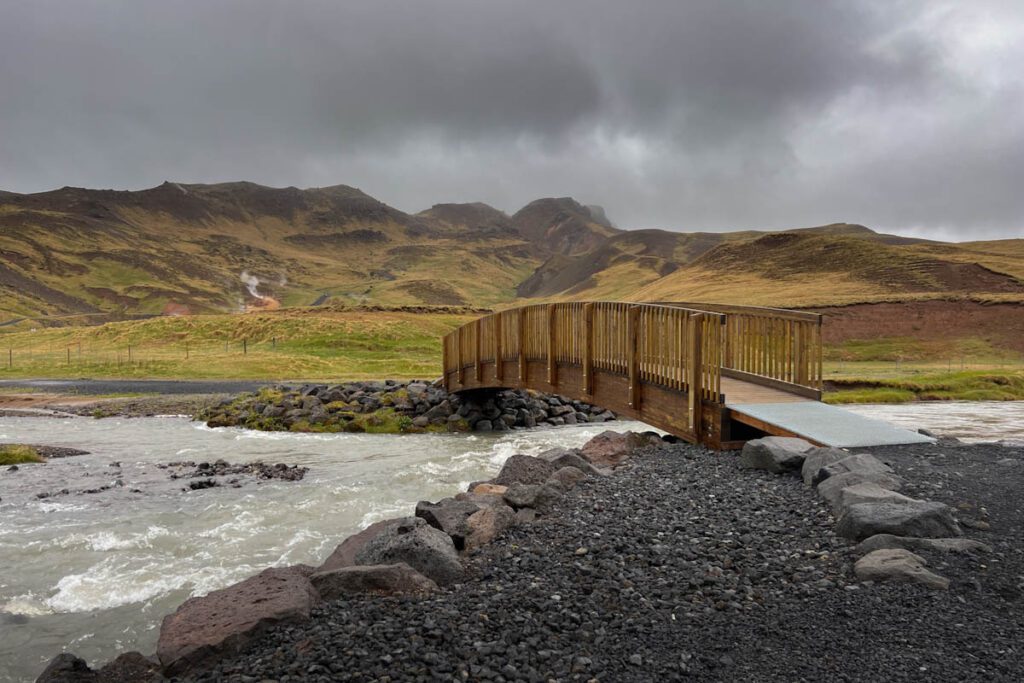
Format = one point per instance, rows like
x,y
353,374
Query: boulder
x,y
411,540
487,524
833,486
204,630
67,668
775,454
439,413
897,564
565,478
610,449
918,518
449,515
944,545
489,489
131,667
381,579
539,497
867,492
345,554
818,458
859,463
524,469
569,457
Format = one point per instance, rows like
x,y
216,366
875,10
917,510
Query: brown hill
x,y
562,225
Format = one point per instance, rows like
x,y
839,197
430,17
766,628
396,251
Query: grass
x,y
969,385
14,454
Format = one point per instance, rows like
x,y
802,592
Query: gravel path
x,y
685,567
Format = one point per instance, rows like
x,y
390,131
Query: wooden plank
x,y
522,345
499,361
693,360
633,355
773,383
588,349
552,314
477,368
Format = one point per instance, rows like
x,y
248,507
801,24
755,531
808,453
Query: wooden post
x,y
69,356
477,367
633,355
10,358
499,362
458,356
552,347
588,349
444,364
694,367
186,350
522,345
245,347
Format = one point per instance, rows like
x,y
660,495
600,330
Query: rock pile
x,y
391,406
408,556
863,493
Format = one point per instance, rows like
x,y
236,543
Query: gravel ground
x,y
683,566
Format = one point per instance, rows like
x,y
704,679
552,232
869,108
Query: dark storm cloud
x,y
684,115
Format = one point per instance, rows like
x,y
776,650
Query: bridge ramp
x,y
824,424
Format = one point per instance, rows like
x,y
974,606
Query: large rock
x,y
539,497
565,478
207,629
831,488
411,540
919,518
775,453
859,463
867,492
487,524
610,449
569,457
345,554
944,545
381,579
67,668
897,565
818,458
131,667
449,515
524,469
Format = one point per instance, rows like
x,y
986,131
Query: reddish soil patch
x,y
1002,323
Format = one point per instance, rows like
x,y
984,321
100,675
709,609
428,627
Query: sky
x,y
901,115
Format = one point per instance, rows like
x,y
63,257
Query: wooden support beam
x,y
694,371
477,367
552,345
458,356
588,349
633,355
522,345
445,379
499,369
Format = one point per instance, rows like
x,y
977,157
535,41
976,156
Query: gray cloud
x,y
696,115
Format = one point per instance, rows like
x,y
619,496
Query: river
x,y
95,573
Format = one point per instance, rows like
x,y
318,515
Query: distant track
x,y
92,387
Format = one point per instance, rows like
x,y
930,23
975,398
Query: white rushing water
x,y
95,573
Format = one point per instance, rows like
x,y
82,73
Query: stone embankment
x,y
392,407
632,559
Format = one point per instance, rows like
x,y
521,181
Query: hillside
x,y
77,256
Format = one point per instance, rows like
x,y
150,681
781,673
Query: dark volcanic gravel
x,y
685,567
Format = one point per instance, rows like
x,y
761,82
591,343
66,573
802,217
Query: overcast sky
x,y
714,115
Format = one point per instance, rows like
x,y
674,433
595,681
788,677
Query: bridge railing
x,y
771,346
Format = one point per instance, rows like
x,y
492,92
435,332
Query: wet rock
x,y
945,545
859,463
411,540
867,492
202,484
775,454
204,630
67,668
831,488
131,667
489,489
610,449
388,579
565,478
539,497
345,554
569,457
448,515
918,518
487,524
818,458
524,469
897,564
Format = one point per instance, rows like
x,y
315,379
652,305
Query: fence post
x,y
69,356
444,362
695,369
10,358
522,345
458,356
588,349
245,347
499,362
477,367
552,347
633,355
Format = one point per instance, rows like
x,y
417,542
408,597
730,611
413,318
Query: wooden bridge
x,y
712,374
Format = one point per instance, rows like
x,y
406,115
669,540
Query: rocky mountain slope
x,y
181,248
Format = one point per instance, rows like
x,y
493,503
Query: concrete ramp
x,y
824,424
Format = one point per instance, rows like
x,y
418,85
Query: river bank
x,y
685,566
